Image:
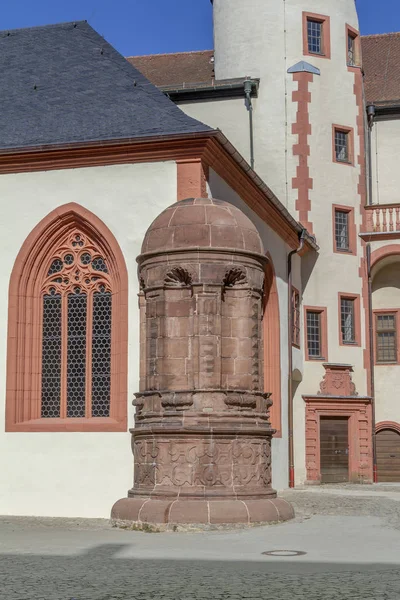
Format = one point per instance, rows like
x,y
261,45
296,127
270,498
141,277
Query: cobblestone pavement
x,y
348,556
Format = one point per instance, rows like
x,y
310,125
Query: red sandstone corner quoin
x,y
202,436
23,398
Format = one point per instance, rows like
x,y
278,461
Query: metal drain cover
x,y
284,553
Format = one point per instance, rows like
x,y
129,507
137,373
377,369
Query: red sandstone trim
x,y
192,179
387,425
326,34
357,319
383,252
350,132
302,128
272,347
359,413
23,401
352,230
324,333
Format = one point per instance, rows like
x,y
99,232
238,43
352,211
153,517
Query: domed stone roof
x,y
202,223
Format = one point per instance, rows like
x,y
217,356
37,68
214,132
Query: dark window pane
x,y
76,354
341,146
347,320
351,50
386,342
99,264
342,230
314,334
296,318
101,354
314,33
51,356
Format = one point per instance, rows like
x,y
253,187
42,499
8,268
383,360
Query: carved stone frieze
x,y
337,381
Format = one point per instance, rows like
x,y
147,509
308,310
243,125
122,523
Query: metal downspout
x,y
371,363
248,86
290,359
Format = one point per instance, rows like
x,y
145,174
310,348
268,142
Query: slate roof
x,y
176,69
61,84
381,62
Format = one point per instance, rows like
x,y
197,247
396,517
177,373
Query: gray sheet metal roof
x,y
64,83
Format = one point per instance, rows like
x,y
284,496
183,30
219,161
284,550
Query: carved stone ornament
x,y
234,277
178,277
337,381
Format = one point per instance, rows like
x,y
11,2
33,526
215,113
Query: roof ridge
x,y
48,26
371,35
170,53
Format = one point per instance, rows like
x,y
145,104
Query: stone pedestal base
x,y
201,512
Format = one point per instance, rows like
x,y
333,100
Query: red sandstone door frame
x,y
358,412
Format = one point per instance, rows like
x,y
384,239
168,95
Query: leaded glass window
x,y
76,332
314,35
342,145
351,50
348,320
386,338
314,334
295,318
342,230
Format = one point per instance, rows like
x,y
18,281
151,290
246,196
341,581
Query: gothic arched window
x,y
74,291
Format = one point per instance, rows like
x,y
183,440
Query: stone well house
x,y
281,147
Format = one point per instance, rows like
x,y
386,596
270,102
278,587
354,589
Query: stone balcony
x,y
382,221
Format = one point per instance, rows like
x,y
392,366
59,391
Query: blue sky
x,y
156,26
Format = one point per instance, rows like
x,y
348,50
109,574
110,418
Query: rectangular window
x,y
314,341
342,145
295,318
347,319
342,231
351,50
343,142
386,338
314,36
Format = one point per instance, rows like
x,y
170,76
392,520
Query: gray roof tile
x,y
64,83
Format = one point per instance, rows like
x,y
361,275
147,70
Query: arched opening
x,y
67,328
388,451
272,347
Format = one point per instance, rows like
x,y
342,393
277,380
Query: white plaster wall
x,y
75,474
278,250
385,162
230,116
386,295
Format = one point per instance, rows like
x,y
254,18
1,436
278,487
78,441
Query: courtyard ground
x,y
348,537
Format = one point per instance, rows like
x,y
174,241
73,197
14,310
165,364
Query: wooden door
x,y
388,455
334,448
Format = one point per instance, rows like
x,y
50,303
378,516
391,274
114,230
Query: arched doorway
x,y
388,452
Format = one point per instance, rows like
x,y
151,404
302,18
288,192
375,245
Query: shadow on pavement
x,y
100,575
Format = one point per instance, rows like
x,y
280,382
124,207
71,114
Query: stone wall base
x,y
201,512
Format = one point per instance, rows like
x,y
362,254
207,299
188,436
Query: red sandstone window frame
x,y
352,250
326,34
355,35
296,325
323,312
386,311
23,395
349,131
357,319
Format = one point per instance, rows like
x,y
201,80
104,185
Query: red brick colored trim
x,y
387,425
192,178
350,132
326,34
355,34
23,399
386,311
324,333
359,412
357,319
383,252
302,128
352,229
272,347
